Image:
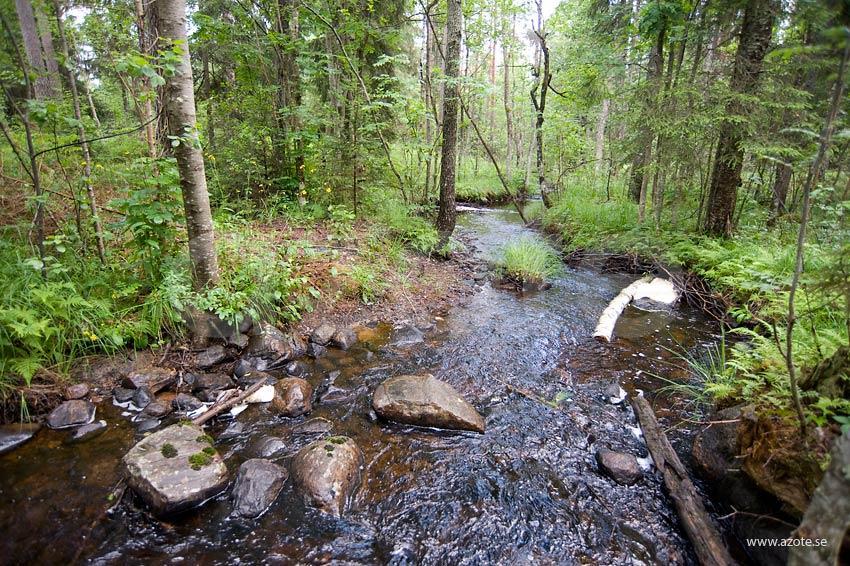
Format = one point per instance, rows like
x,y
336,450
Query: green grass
x,y
529,260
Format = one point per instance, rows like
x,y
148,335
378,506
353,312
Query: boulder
x,y
623,468
185,402
293,397
327,471
425,401
323,334
13,435
88,431
206,327
269,347
77,391
71,413
258,484
147,377
211,356
175,468
344,338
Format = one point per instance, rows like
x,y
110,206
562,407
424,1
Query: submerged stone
x,y
327,471
406,335
88,431
425,401
71,413
344,338
258,484
175,469
623,468
13,435
317,425
293,397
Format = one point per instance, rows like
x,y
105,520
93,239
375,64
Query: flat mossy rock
x,y
424,400
327,471
175,469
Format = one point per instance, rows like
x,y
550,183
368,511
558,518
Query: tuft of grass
x,y
529,260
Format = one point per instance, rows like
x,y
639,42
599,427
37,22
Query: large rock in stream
x,y
269,348
175,469
292,397
424,400
72,413
327,471
258,484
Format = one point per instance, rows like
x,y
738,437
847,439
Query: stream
x,y
527,491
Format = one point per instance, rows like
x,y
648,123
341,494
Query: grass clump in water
x,y
529,260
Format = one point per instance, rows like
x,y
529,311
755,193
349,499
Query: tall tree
x,y
179,99
447,215
753,42
44,84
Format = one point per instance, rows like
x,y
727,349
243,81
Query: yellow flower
x,y
327,189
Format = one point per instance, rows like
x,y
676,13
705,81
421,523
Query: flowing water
x,y
526,491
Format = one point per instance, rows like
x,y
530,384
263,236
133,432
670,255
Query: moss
x,y
184,422
337,439
329,447
168,450
200,459
205,438
209,450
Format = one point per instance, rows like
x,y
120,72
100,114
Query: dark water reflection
x,y
527,491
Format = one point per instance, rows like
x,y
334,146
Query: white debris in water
x,y
636,432
198,412
645,463
262,395
124,405
619,398
659,290
238,409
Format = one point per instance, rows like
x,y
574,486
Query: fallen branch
x,y
227,403
708,545
658,289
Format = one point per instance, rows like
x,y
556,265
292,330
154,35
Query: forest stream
x,y
527,491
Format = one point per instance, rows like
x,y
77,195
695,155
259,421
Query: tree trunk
x,y
754,41
641,160
43,87
47,51
601,124
291,85
81,132
447,214
506,93
147,108
179,98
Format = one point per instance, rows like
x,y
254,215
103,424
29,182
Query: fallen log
x,y
658,289
227,403
708,545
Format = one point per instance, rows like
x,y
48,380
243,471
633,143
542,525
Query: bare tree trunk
x,y
506,93
543,80
81,132
427,101
47,51
180,108
756,33
147,107
447,215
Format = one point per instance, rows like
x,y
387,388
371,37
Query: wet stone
x,y
13,435
323,334
270,446
316,425
344,338
77,391
211,356
209,395
425,401
175,469
296,368
316,350
257,485
252,377
142,397
147,425
327,471
71,413
147,377
293,397
157,409
270,348
88,431
619,466
214,381
122,394
242,368
186,402
233,430
405,336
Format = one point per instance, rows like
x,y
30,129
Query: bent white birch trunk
x,y
659,290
